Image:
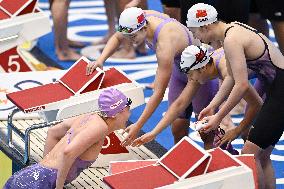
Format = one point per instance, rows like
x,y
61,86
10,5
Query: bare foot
x,y
69,55
123,53
76,44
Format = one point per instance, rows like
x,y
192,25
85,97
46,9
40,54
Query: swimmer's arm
x,y
223,92
254,103
111,46
55,133
165,57
223,68
224,89
179,105
237,68
80,143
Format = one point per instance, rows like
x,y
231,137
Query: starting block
x,y
175,165
18,20
222,171
70,96
73,94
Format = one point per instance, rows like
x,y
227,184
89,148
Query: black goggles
x,y
128,30
129,102
125,29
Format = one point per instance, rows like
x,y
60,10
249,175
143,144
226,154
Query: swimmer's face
x,y
198,75
122,117
138,37
202,33
124,114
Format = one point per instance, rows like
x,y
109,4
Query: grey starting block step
x,y
89,178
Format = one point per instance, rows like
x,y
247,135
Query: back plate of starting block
x,y
15,8
4,15
78,70
186,158
221,160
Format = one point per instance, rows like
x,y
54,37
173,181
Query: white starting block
x,y
21,21
73,94
220,170
175,165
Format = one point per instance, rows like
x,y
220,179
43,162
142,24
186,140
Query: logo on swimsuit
x,y
36,175
34,109
115,105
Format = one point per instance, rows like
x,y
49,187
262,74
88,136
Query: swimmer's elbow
x,y
242,86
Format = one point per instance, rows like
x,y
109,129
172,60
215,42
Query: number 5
x,y
12,62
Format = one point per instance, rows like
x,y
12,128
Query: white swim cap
x,y
193,57
131,20
201,14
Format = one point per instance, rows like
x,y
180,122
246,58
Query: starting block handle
x,y
24,136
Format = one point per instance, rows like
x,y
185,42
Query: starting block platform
x,y
18,20
75,93
186,166
91,178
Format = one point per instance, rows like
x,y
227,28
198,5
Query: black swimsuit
x,y
269,124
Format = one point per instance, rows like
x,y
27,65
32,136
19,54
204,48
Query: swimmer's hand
x,y
92,66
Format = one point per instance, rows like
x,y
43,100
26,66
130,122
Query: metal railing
x,y
24,136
